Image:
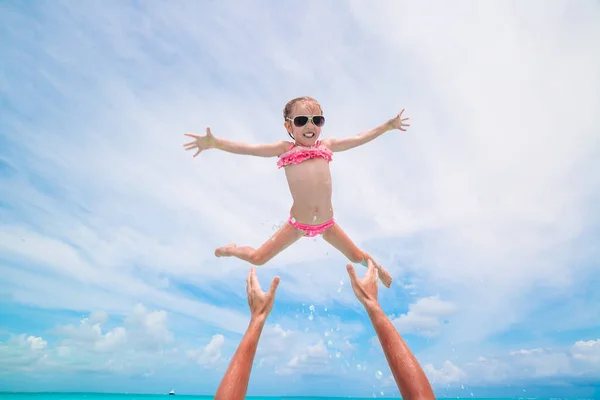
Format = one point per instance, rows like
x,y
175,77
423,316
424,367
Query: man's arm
x,y
408,374
365,137
234,384
235,381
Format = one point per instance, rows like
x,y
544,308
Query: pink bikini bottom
x,y
311,230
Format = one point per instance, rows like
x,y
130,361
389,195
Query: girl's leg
x,y
283,238
338,239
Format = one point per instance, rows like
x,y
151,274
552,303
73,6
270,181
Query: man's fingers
x,y
370,268
208,132
254,283
249,278
351,273
274,286
191,135
248,286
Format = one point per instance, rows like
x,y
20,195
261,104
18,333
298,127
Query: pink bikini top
x,y
297,154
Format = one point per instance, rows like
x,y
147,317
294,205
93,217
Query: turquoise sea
x,y
108,396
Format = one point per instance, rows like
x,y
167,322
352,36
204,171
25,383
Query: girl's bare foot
x,y
225,251
384,276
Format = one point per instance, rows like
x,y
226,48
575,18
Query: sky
x,y
485,211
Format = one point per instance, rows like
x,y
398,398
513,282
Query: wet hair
x,y
287,110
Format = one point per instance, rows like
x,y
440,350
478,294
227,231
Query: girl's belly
x,y
311,191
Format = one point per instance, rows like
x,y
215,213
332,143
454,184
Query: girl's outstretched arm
x,y
209,141
366,136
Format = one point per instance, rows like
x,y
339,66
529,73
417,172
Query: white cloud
x,y
23,353
314,359
37,343
423,317
210,354
447,373
143,329
588,351
555,363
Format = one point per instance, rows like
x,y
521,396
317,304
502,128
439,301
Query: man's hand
x,y
366,288
235,381
398,122
260,302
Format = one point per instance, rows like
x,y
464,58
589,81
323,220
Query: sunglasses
x,y
301,120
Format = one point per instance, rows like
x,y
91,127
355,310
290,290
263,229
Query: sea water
x,y
110,396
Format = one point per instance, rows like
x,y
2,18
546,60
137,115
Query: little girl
x,y
306,164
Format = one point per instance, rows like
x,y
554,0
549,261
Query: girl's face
x,y
307,134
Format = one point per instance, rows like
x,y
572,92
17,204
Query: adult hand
x,y
365,289
260,302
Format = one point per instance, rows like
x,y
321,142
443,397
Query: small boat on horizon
x,y
172,392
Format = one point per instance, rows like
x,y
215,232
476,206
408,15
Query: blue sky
x,y
485,211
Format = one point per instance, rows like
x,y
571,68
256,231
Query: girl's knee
x,y
257,259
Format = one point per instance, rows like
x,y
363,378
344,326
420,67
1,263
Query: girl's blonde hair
x,y
287,110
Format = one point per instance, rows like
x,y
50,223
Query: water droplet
x,y
311,308
326,333
358,367
341,282
310,317
329,342
378,374
338,354
462,387
315,218
339,290
325,309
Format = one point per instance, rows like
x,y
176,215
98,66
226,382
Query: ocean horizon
x,y
149,396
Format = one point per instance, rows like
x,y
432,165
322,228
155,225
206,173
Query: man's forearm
x,y
235,381
409,376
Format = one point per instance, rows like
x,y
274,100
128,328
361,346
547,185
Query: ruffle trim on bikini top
x,y
297,156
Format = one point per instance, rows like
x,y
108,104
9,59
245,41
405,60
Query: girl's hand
x,y
398,122
201,142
